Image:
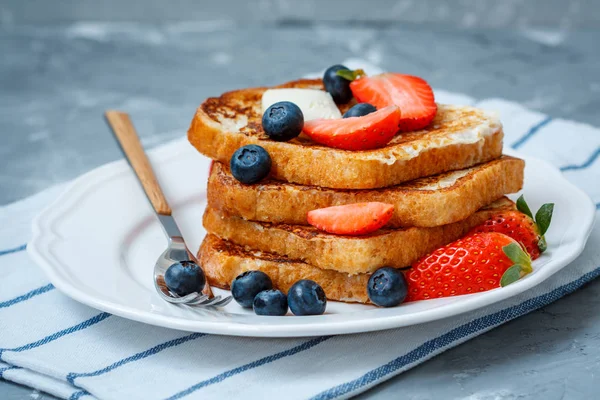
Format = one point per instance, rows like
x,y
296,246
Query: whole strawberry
x,y
475,263
521,226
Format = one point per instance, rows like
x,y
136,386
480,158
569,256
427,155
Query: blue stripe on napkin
x,y
27,296
139,356
13,250
78,395
585,165
2,370
266,360
57,335
531,132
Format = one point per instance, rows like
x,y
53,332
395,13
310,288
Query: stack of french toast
x,y
441,180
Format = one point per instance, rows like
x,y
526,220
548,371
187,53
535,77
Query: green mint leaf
x,y
350,75
511,275
523,207
543,217
516,254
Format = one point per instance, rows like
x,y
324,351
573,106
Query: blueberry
x,y
360,110
338,87
246,286
306,297
250,164
387,287
270,302
185,277
283,121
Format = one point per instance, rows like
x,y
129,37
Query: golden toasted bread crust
x,y
223,261
348,254
224,124
416,203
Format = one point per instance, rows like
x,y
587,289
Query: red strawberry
x,y
351,219
521,226
412,94
356,133
210,167
475,263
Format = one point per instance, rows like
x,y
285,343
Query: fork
x,y
177,250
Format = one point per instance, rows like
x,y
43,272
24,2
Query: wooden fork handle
x,y
127,137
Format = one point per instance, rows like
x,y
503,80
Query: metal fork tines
x,y
192,299
177,251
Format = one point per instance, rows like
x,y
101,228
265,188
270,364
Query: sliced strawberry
x,y
412,94
351,219
356,133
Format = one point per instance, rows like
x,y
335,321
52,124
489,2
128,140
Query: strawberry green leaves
x,y
521,267
523,207
511,275
542,245
543,217
516,254
350,75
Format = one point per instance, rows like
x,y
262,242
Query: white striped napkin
x,y
53,344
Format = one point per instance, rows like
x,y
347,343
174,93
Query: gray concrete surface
x,y
56,80
563,14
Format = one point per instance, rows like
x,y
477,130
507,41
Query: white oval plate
x,y
98,243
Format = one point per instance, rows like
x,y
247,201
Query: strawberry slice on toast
x,y
412,94
356,133
351,219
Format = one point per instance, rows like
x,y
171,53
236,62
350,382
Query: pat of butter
x,y
314,103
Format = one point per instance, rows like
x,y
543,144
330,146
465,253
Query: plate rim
x,y
320,325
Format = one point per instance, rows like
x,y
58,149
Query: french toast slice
x,y
425,202
458,137
222,261
347,254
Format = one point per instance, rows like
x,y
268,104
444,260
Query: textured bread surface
x,y
425,202
458,137
223,261
348,254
